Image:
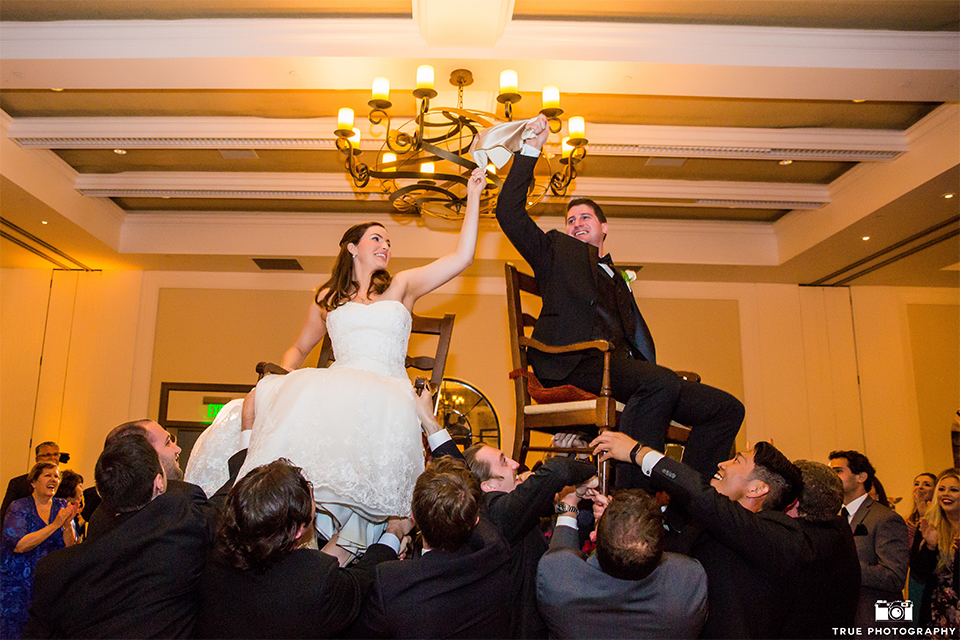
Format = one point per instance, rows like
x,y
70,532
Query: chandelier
x,y
424,163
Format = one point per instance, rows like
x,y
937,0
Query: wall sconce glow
x,y
120,152
425,77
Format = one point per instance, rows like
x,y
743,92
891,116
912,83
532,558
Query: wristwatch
x,y
563,508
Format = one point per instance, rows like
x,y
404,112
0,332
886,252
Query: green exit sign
x,y
213,410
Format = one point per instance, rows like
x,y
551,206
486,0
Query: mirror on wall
x,y
467,414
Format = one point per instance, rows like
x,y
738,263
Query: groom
x,y
586,298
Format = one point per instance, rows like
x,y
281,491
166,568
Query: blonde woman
x,y
935,558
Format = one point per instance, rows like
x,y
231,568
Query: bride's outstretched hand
x,y
476,183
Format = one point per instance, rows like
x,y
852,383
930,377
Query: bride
x,y
353,427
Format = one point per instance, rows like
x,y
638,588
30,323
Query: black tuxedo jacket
x,y
829,586
751,559
136,575
304,595
137,579
442,594
517,517
566,272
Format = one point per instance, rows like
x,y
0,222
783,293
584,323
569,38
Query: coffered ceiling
x,y
729,140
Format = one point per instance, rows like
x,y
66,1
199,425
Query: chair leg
x,y
605,475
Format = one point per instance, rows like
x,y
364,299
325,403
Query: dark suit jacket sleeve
x,y
372,621
893,555
565,538
731,524
346,590
36,627
448,448
236,461
520,229
517,512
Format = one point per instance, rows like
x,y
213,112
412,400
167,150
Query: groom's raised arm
x,y
522,231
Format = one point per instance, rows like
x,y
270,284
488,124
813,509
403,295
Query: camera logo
x,y
896,610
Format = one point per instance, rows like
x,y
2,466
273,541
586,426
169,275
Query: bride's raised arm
x,y
310,336
422,280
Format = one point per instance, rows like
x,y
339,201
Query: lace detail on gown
x,y
207,465
353,427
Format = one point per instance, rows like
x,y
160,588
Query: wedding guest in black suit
x,y
169,454
137,576
459,586
19,486
585,298
879,533
829,585
750,549
515,508
265,582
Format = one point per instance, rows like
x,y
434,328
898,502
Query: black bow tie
x,y
607,260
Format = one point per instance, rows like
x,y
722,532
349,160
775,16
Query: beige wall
x,y
85,327
817,369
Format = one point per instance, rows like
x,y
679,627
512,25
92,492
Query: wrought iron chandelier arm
x,y
359,171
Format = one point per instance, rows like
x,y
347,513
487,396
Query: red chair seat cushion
x,y
541,395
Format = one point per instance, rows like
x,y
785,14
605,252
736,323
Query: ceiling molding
x,y
316,234
854,145
526,39
337,186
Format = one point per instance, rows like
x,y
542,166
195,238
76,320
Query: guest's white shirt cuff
x,y
650,461
567,520
245,439
437,439
527,150
391,541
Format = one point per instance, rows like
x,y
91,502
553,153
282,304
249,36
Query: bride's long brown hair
x,y
342,284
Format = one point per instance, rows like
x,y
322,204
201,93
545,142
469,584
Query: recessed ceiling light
x,y
865,238
859,101
120,152
948,195
58,90
786,162
43,222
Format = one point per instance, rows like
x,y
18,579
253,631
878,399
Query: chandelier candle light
x,y
424,164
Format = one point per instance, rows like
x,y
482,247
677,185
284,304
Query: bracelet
x,y
634,452
564,508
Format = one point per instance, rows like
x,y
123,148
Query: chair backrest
x,y
519,320
424,325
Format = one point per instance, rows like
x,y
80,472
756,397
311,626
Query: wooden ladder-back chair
x,y
424,325
561,409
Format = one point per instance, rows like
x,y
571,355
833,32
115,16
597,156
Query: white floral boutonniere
x,y
628,277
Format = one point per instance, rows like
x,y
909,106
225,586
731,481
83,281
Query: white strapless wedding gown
x,y
352,427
